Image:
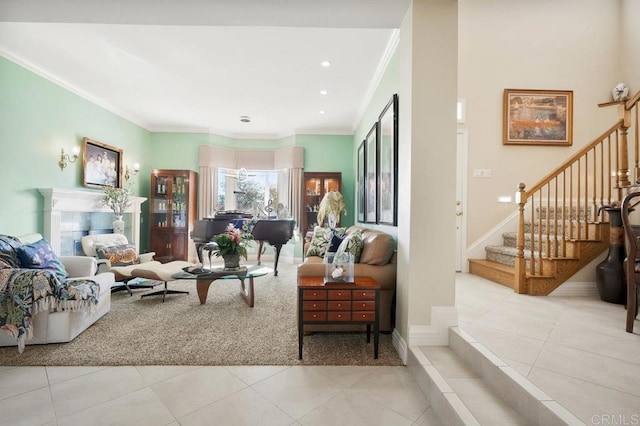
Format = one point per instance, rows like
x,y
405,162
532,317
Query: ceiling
x,y
198,66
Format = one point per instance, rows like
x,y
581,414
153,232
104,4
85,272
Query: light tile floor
x,y
574,348
235,395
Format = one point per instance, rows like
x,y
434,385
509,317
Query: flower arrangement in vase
x,y
118,200
232,244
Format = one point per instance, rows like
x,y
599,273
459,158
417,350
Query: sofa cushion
x,y
40,255
352,244
118,255
379,246
320,242
338,236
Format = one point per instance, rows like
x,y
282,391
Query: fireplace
x,y
69,214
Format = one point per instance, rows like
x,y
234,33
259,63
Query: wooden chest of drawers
x,y
356,303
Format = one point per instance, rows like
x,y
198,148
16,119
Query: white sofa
x,y
64,326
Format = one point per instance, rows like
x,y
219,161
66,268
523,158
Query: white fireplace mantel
x,y
57,201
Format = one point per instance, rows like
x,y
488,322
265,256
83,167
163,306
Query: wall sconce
x,y
65,159
128,173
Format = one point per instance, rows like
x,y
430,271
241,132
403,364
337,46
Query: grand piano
x,y
276,232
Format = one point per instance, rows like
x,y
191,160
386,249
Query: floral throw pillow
x,y
121,255
352,244
320,241
40,255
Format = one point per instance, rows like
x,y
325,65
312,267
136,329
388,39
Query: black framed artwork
x,y
101,164
388,164
371,181
361,182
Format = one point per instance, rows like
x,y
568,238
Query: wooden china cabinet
x,y
172,212
316,184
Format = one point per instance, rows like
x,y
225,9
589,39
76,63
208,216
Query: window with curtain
x,y
263,193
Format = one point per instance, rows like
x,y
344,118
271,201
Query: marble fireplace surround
x,y
62,201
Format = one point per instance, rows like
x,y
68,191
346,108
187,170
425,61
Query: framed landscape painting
x,y
371,180
361,181
101,164
538,117
388,163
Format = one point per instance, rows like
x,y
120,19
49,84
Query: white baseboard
x,y
400,345
436,334
576,289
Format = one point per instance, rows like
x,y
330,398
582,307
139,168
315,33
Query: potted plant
x,y
232,244
118,200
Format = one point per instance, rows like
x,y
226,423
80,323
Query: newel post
x,y
623,171
520,285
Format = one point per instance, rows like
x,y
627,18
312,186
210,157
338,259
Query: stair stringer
x,y
556,271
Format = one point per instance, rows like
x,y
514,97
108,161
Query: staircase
x,y
499,265
559,229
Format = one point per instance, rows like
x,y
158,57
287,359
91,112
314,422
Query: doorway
x,y
461,200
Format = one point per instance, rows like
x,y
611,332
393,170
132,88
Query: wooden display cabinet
x,y
315,186
172,212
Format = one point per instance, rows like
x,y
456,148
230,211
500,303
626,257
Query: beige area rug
x,y
224,331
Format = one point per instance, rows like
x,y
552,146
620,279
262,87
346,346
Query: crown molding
x,y
377,77
70,87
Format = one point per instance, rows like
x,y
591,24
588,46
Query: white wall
x,y
630,52
427,161
567,45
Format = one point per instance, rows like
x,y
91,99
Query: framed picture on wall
x,y
101,164
361,181
388,163
371,181
538,117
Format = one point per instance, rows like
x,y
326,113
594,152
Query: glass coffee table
x,y
204,277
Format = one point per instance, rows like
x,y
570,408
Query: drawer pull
x,y
339,294
339,305
364,316
339,316
364,294
315,316
315,294
314,305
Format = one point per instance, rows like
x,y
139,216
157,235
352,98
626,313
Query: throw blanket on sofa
x,y
25,292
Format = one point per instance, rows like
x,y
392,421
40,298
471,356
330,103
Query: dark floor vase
x,y
610,272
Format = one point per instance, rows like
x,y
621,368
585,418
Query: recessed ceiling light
x,y
325,64
323,92
321,112
245,119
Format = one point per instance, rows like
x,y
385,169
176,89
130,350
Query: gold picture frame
x,y
538,117
101,164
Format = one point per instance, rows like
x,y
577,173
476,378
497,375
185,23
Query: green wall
x,y
388,85
38,117
324,153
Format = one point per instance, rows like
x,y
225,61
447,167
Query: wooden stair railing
x,y
563,207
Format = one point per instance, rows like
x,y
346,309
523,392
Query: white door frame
x,y
462,140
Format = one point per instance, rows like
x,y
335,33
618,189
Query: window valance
x,y
228,158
